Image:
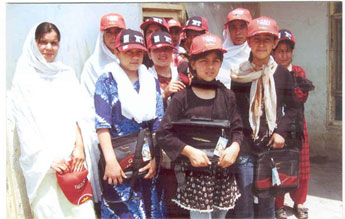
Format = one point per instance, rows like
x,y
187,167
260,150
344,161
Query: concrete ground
x,y
325,194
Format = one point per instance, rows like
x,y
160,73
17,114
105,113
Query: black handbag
x,y
129,150
286,162
201,133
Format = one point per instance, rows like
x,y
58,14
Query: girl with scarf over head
x,y
262,88
235,42
110,26
48,113
207,189
127,99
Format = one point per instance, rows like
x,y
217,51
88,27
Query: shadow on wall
x,y
17,202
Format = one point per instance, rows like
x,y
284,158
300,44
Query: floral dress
x,y
108,115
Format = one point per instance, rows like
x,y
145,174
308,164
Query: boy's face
x,y
207,67
283,54
262,45
131,59
238,30
109,37
161,57
175,35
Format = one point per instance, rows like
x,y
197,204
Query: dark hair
x,y
46,27
287,42
201,55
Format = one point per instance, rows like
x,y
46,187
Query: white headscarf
x,y
93,68
262,79
138,106
236,54
46,106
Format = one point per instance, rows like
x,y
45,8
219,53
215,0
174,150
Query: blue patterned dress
x,y
108,115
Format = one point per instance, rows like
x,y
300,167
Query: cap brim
x,y
132,46
286,38
161,45
263,31
216,49
144,25
199,29
114,25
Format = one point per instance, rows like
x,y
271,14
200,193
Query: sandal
x,y
281,213
301,213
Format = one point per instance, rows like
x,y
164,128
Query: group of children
x,y
167,72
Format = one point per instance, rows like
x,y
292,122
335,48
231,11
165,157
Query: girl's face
x,y
238,30
152,28
131,59
109,37
283,54
161,57
207,67
262,46
48,45
175,35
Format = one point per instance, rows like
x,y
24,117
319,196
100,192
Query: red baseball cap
x,y
196,23
155,20
159,39
130,39
174,23
112,20
262,25
75,186
286,35
238,14
206,42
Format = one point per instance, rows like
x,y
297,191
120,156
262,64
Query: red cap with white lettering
x,y
238,14
206,42
112,20
159,39
75,186
263,25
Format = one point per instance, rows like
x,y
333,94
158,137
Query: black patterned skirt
x,y
203,189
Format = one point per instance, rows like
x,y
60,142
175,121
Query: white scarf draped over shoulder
x,y
138,106
262,82
46,105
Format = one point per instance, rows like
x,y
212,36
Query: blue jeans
x,y
216,213
245,204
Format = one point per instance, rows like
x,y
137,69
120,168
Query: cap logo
x,y
112,18
156,39
209,41
79,186
167,39
126,38
139,39
196,23
172,22
238,12
159,20
264,22
288,35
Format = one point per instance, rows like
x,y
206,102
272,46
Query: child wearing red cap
x,y
283,55
110,25
160,52
205,188
149,26
262,88
175,30
127,99
235,42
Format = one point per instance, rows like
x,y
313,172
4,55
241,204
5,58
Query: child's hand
x,y
78,159
60,165
197,157
173,87
277,140
229,155
113,173
151,166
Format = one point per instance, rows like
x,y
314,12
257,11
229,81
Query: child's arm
x,y
113,172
